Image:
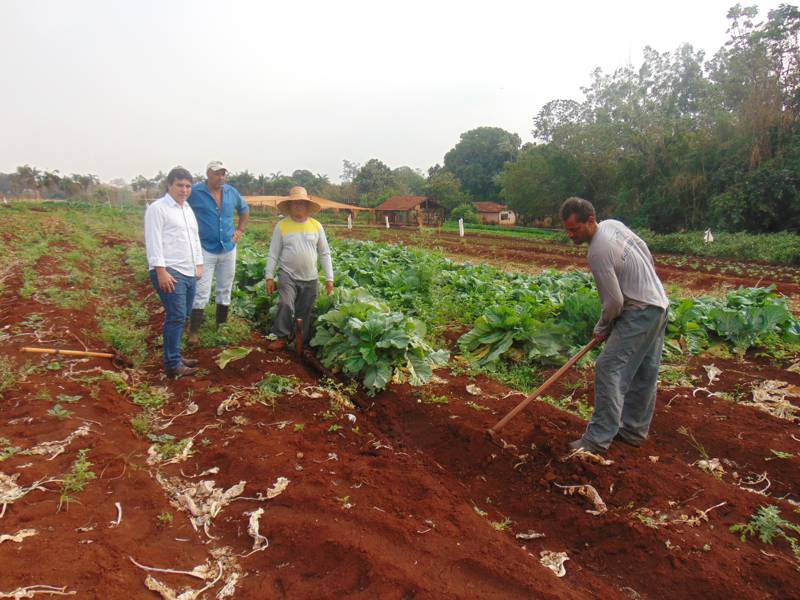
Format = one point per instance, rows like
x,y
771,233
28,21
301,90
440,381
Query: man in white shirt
x,y
175,260
633,322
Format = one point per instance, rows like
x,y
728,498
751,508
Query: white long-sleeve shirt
x,y
624,272
171,236
296,247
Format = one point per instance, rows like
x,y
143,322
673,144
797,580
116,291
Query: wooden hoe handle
x,y
553,378
67,352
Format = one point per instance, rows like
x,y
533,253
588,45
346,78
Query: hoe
x,y
492,431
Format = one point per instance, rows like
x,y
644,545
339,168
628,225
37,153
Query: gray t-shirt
x,y
296,247
624,273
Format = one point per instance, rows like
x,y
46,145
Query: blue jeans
x,y
626,377
177,306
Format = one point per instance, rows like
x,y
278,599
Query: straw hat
x,y
295,194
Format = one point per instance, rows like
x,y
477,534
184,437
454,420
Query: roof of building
x,y
405,203
489,207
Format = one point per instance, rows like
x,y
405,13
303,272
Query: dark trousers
x,y
295,301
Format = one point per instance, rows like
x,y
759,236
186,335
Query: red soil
x,y
391,509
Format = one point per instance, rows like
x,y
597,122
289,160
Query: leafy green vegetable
x,y
230,354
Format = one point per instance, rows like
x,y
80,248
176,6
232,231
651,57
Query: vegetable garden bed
x,y
406,499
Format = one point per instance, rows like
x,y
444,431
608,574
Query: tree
x,y
313,183
479,156
244,181
444,188
373,179
539,180
408,181
349,171
25,178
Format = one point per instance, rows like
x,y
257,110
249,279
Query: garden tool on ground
x,y
116,358
492,431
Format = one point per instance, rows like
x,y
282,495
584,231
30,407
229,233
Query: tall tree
x,y
444,188
478,158
539,180
408,181
373,179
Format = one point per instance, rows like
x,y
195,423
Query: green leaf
x,y
231,354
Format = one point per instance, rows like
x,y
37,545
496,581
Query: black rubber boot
x,y
195,321
222,314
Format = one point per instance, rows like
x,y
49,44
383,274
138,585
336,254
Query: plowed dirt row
x,y
409,500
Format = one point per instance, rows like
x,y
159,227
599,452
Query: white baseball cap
x,y
216,165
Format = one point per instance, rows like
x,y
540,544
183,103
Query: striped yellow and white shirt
x,y
295,249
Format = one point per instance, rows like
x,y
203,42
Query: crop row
x,y
391,301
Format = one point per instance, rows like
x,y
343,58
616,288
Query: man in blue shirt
x,y
214,203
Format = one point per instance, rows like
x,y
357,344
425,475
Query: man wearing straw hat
x,y
298,242
214,203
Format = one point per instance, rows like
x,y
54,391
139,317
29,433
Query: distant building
x,y
494,213
411,210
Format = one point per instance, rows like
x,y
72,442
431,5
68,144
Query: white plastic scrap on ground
x,y
712,372
224,565
589,492
204,502
55,448
10,492
554,561
260,542
154,456
280,485
587,456
201,500
190,409
712,466
33,590
530,535
474,390
17,537
770,396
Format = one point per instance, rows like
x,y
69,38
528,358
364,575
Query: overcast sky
x,y
122,88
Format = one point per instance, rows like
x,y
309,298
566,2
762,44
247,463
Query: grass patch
x,y
525,378
671,376
125,328
75,481
142,424
151,397
10,375
767,524
60,413
167,447
7,450
569,404
271,386
231,333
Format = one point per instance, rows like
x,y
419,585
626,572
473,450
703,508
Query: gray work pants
x,y
295,301
626,377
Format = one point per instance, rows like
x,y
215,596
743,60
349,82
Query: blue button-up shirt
x,y
216,225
